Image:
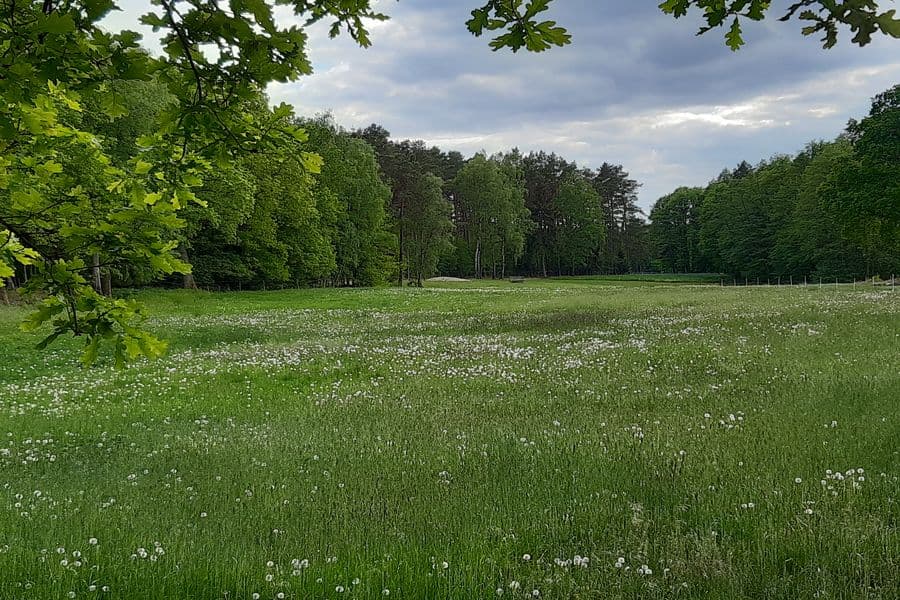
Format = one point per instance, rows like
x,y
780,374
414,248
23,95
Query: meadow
x,y
553,439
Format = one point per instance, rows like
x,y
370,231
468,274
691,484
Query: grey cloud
x,y
636,87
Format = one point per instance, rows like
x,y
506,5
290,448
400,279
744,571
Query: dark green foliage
x,y
428,226
868,188
580,231
627,243
863,17
544,174
363,243
403,166
675,231
490,216
268,223
831,212
520,27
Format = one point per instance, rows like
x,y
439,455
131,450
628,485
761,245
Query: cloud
x,y
636,87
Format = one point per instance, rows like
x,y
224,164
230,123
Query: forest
x,y
831,211
381,211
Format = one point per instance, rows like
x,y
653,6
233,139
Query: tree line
x,y
380,210
377,210
508,213
831,211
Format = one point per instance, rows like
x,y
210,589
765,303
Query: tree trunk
x,y
107,283
478,259
95,273
400,254
189,282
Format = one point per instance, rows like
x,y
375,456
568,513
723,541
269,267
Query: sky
x,y
636,87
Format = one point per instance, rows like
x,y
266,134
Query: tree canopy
x,y
864,18
520,27
831,211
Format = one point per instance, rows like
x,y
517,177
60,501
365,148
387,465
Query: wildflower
x,y
514,585
339,589
798,480
93,541
535,593
526,557
808,511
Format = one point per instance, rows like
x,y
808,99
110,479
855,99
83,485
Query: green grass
x,y
422,443
650,278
